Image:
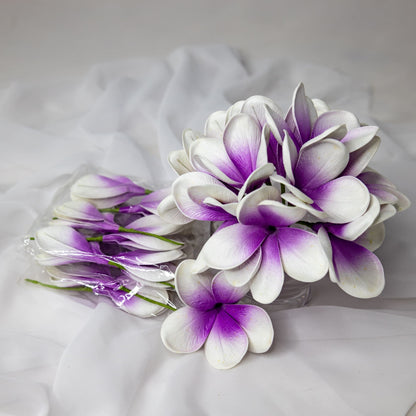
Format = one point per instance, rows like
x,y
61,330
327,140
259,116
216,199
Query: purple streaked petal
x,y
248,208
304,113
277,125
224,291
178,160
169,213
194,289
241,275
151,201
359,159
256,179
373,238
359,137
280,215
189,201
256,323
268,281
186,329
62,241
302,255
140,241
242,139
359,271
320,163
231,246
215,124
154,224
335,118
79,210
352,230
344,199
227,342
209,155
94,186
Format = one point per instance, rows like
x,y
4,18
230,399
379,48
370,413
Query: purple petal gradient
x,y
320,163
335,118
302,255
186,329
359,271
151,201
304,113
256,323
224,292
227,342
231,246
242,138
194,289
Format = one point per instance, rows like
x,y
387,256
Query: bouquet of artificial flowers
x,y
290,195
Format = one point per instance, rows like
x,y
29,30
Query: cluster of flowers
x,y
109,240
289,194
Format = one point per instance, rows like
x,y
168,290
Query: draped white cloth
x,y
64,356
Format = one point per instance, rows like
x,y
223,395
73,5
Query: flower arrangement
x,y
290,195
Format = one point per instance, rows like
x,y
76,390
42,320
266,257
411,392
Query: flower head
x,y
213,318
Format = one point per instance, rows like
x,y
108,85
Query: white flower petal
x,y
169,214
290,156
215,124
359,271
279,215
186,329
241,275
335,118
255,106
194,289
179,161
247,210
231,246
352,230
327,248
256,178
344,199
226,344
256,324
373,238
359,137
320,163
188,137
268,281
209,155
302,255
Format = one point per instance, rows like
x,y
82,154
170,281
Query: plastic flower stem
x,y
88,289
99,238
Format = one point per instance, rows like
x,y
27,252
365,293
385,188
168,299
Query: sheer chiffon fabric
x,y
62,355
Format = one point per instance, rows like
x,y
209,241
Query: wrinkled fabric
x,y
66,355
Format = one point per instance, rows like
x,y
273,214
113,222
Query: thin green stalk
x,y
88,289
133,231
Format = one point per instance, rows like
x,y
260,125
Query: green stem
x,y
88,289
116,210
133,231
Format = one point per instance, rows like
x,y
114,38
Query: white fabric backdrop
x,y
61,356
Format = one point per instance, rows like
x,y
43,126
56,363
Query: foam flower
x,y
212,318
105,191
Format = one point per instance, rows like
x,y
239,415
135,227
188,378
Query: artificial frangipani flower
x,y
286,194
294,195
107,242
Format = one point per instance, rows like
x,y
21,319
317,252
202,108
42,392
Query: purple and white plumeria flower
x,y
276,181
213,318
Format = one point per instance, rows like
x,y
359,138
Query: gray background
x,y
371,40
